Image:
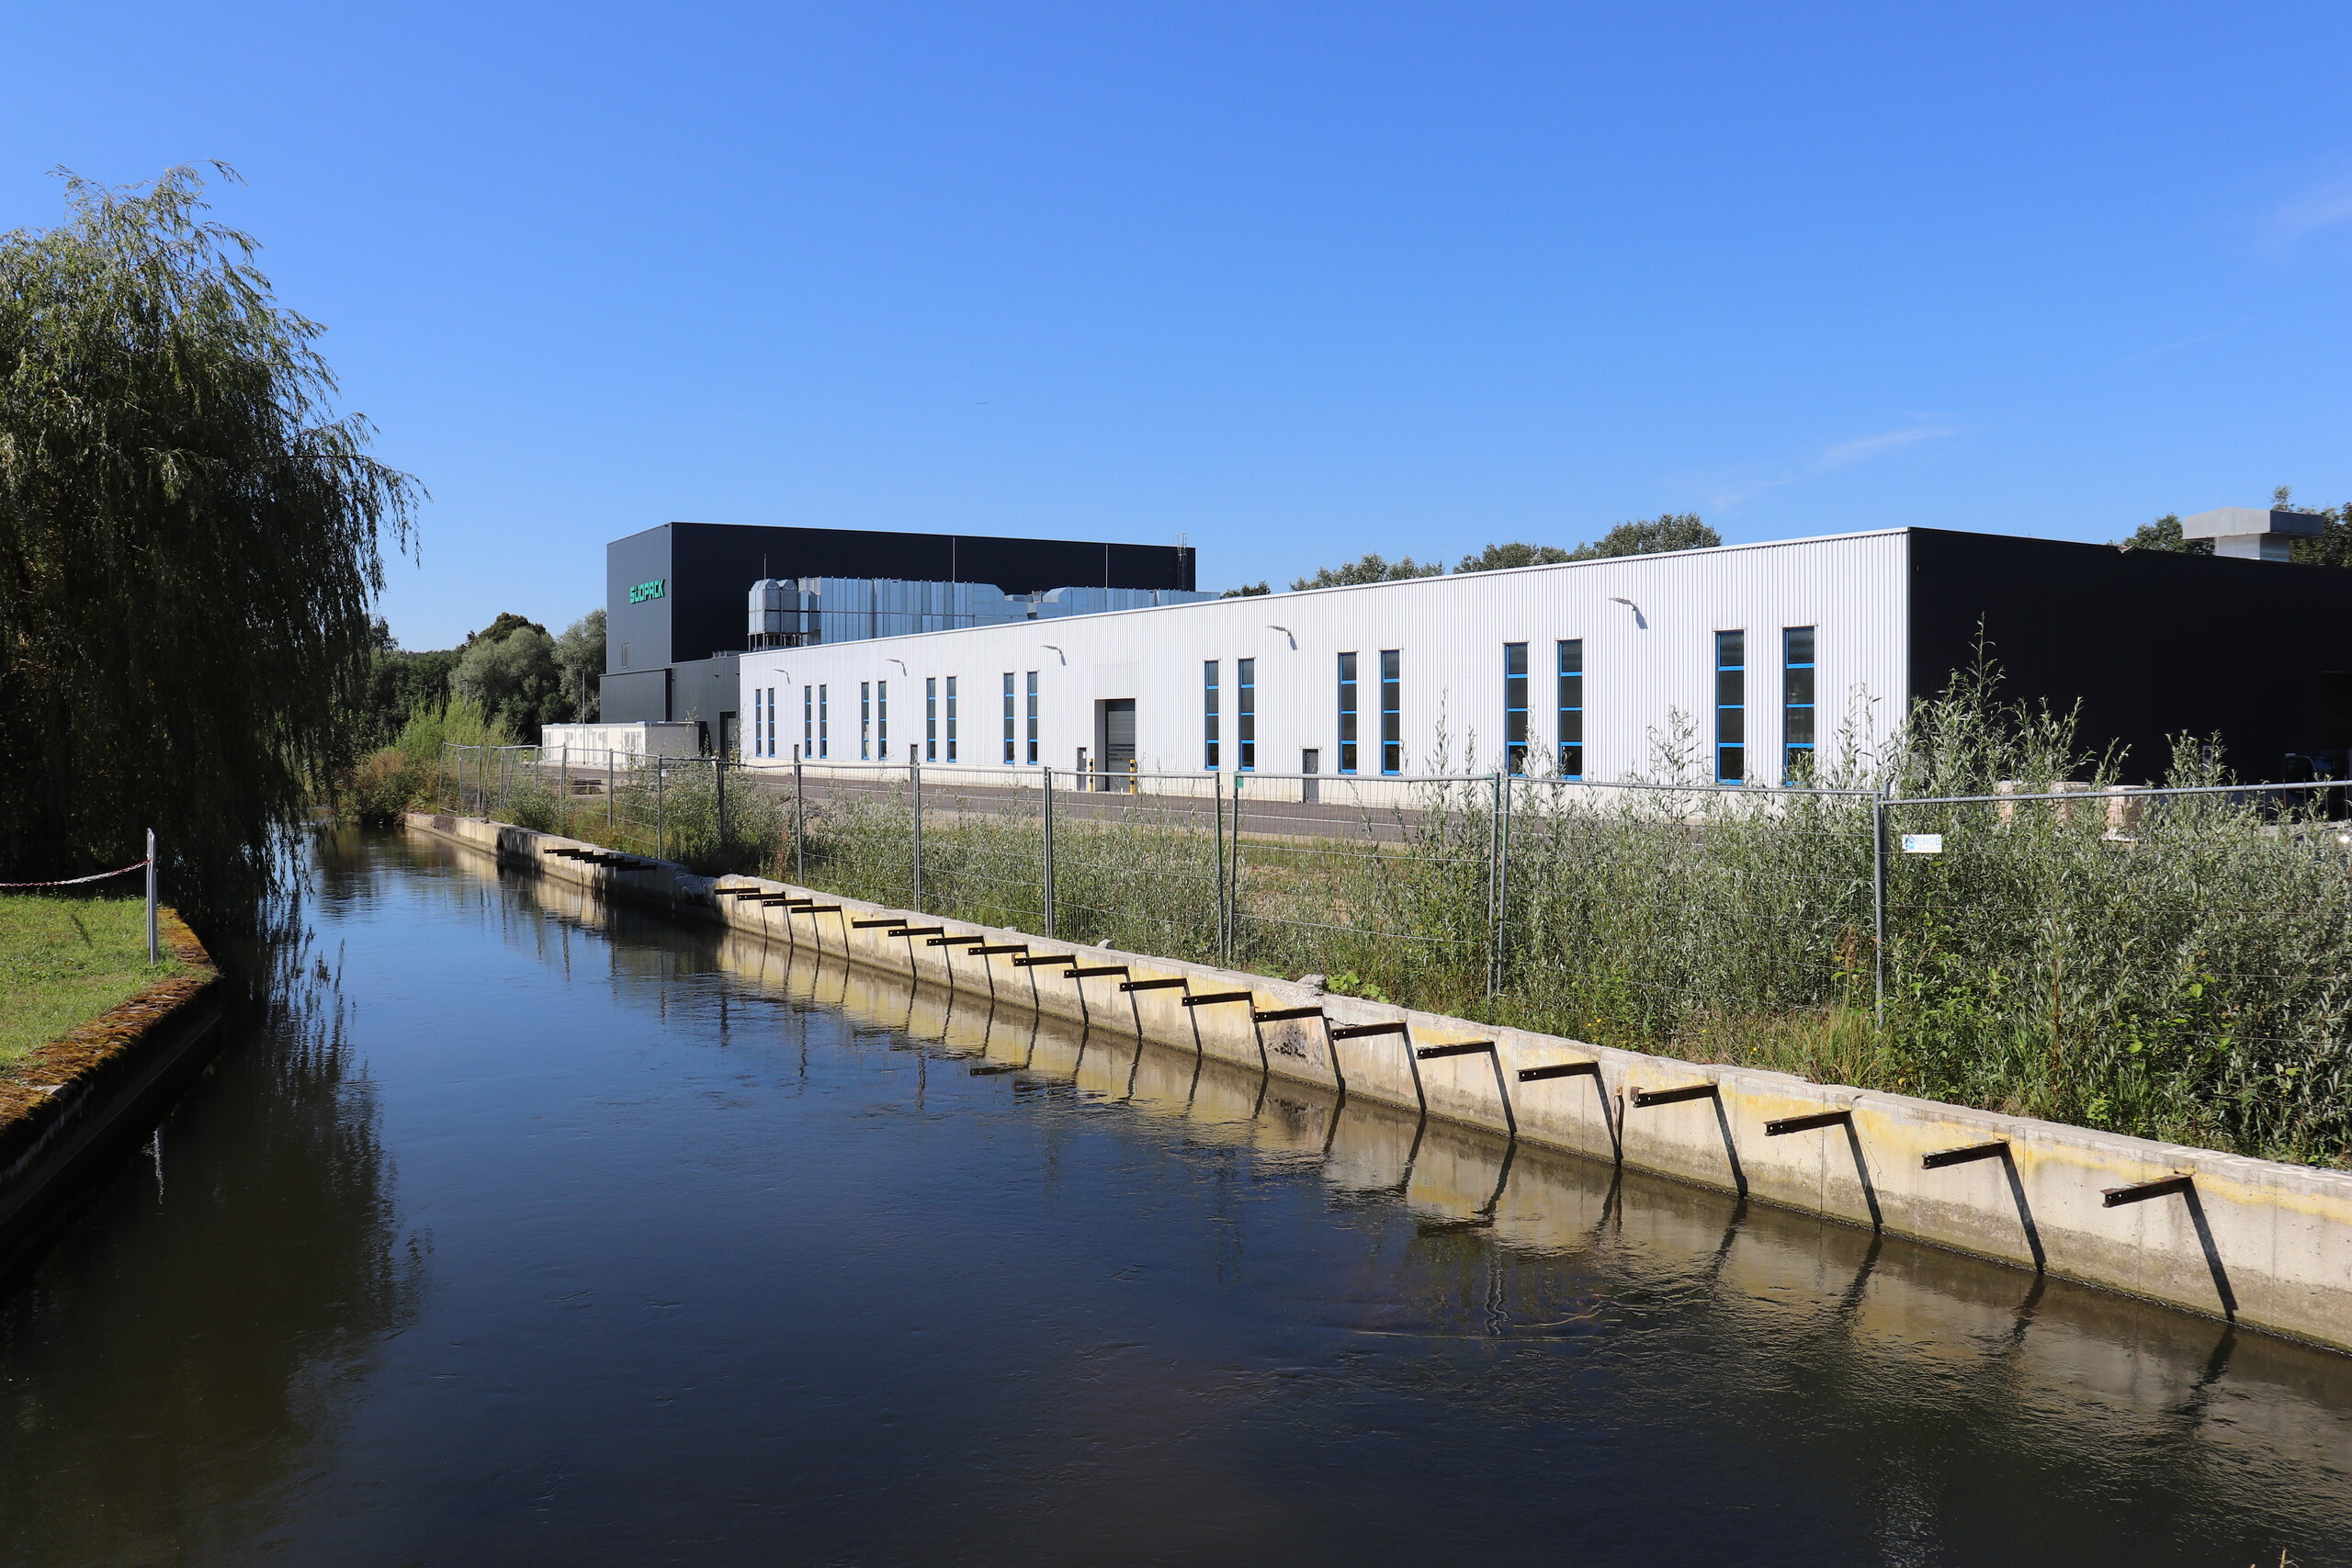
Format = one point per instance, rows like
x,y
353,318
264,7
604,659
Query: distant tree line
x,y
1671,531
513,672
2330,546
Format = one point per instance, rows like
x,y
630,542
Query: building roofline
x,y
1402,582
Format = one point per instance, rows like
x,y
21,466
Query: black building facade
x,y
674,596
2150,644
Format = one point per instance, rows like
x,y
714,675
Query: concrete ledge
x,y
2260,1243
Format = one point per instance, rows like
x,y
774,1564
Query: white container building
x,y
1578,669
1754,652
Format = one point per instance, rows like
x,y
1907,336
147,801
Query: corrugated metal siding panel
x,y
1450,632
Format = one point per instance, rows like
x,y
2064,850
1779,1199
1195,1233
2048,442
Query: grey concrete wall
x,y
2266,1245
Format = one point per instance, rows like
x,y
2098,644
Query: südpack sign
x,y
639,593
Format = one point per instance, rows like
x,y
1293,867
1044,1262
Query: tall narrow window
x,y
1515,707
770,739
1571,699
951,718
1347,713
1009,741
931,718
1208,714
881,721
824,742
1391,711
808,721
1033,718
1731,707
865,721
1245,712
1796,703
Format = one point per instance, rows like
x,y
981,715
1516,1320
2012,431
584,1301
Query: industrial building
x,y
1760,652
674,597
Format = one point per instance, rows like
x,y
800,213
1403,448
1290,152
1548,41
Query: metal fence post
x,y
1048,815
1217,802
660,809
1233,881
800,811
1499,885
563,787
608,792
155,954
914,784
1878,910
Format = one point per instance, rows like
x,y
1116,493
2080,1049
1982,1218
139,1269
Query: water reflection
x,y
704,1250
220,1298
1979,1382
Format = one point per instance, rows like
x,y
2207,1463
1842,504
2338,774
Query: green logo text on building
x,y
641,591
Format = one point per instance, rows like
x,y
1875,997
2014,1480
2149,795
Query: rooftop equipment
x,y
2249,533
793,613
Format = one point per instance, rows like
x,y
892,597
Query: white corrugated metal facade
x,y
1647,626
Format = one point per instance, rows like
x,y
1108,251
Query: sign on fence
x,y
1923,843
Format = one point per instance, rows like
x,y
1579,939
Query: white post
x,y
154,955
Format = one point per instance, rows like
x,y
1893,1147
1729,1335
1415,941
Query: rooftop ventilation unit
x,y
2250,533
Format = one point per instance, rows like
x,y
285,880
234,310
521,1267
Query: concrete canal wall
x,y
2262,1244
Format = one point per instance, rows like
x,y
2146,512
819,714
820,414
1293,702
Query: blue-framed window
x,y
865,721
808,721
881,721
1208,714
1245,712
1033,718
824,744
951,718
770,748
1391,711
1570,699
1796,703
1515,707
931,718
1731,707
1347,713
1008,740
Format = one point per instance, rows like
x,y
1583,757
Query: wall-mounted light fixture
x,y
1639,619
900,662
1286,632
1056,652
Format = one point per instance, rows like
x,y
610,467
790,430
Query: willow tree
x,y
189,539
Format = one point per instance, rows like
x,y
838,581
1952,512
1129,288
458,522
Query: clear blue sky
x,y
1298,280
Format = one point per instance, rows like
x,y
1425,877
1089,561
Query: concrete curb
x,y
2260,1243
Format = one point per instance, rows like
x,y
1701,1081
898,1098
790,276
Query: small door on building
x,y
727,736
1310,762
1119,740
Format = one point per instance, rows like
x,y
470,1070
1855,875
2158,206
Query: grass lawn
x,y
65,960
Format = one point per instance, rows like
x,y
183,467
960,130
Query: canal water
x,y
513,1228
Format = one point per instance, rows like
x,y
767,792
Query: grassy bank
x,y
64,962
2177,967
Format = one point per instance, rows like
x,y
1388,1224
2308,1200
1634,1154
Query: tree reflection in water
x,y
264,1210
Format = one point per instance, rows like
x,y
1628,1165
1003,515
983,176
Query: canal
x,y
510,1227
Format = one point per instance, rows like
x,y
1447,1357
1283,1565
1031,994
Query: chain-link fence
x,y
2158,960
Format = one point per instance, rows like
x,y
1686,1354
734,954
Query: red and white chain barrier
x,y
71,881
